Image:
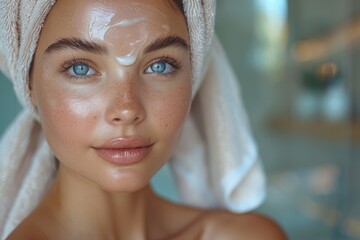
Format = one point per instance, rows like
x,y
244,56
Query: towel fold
x,y
216,163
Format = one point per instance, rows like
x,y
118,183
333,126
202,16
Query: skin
x,y
92,198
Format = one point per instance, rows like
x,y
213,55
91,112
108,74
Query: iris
x,y
158,67
81,69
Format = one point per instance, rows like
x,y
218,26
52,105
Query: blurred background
x,y
298,65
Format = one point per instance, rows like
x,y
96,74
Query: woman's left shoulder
x,y
225,225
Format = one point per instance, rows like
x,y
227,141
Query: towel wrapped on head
x,y
216,162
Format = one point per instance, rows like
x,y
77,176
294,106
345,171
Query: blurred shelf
x,y
336,130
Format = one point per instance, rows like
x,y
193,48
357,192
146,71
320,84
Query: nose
x,y
125,105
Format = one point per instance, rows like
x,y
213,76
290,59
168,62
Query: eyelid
x,y
67,64
169,60
74,61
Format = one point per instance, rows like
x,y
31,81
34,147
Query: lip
x,y
125,151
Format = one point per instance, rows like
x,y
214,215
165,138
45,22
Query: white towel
x,y
216,162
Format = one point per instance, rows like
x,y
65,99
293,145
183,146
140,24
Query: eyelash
x,y
173,63
67,65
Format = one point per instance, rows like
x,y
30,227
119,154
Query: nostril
x,y
116,119
127,112
120,120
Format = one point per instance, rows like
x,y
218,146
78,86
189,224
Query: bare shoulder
x,y
225,225
37,226
28,230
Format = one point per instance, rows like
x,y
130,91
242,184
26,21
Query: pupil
x,y
158,67
81,69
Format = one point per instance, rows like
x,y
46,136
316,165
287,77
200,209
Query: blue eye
x,y
160,67
81,70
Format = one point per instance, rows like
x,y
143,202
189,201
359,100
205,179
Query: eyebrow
x,y
93,47
77,44
165,42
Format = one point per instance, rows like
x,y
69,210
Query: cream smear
x,y
127,60
102,21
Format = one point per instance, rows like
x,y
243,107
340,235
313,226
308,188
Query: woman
x,y
111,83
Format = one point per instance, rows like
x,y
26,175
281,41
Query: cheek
x,y
65,116
173,109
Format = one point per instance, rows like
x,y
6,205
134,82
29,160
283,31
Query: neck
x,y
80,206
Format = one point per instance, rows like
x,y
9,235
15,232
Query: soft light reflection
x,y
321,47
327,71
271,25
277,9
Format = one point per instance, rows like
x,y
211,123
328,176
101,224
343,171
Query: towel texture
x,y
216,162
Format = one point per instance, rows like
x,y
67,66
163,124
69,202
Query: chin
x,y
124,182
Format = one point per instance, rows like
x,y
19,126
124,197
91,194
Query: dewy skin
x,y
102,21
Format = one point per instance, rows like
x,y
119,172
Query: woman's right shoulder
x,y
28,230
37,226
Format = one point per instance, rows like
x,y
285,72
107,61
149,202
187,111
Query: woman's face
x,y
111,82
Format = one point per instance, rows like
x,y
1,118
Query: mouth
x,y
125,151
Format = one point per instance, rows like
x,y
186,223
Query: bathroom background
x,y
297,63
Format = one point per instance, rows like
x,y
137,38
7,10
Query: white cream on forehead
x,y
101,22
127,60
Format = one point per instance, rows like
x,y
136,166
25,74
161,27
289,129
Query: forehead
x,y
123,7
70,18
